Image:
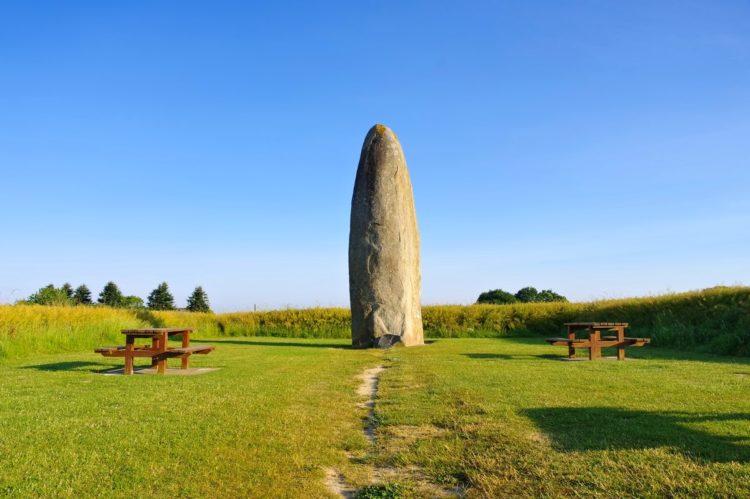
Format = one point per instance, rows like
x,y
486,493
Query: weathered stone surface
x,y
384,269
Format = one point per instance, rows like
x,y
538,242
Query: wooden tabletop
x,y
596,324
156,331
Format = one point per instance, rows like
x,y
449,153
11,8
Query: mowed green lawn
x,y
490,417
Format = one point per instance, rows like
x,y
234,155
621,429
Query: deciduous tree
x,y
548,295
496,296
527,294
50,295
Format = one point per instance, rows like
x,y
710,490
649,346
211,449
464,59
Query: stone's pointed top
x,y
382,131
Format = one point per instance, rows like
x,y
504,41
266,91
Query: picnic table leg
x,y
129,344
571,348
621,343
185,344
161,366
154,346
595,351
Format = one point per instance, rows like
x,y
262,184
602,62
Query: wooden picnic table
x,y
595,341
159,350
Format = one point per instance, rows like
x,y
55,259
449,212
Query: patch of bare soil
x,y
337,486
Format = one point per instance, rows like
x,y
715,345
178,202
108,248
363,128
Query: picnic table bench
x,y
159,350
595,341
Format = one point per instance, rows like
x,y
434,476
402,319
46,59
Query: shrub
x,y
131,302
381,491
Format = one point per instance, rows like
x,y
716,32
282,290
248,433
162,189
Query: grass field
x,y
490,417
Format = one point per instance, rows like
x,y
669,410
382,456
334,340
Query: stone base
x,y
387,341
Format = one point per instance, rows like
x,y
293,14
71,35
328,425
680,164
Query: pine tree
x,y
82,295
111,295
161,298
67,289
198,301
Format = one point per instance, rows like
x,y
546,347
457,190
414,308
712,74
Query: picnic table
x,y
159,350
595,341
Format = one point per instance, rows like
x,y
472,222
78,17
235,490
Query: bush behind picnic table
x,y
714,320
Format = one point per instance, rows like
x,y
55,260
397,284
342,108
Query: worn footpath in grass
x,y
267,424
505,418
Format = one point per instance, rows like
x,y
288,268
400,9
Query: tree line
x,y
159,299
523,295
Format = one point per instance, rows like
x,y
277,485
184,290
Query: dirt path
x,y
336,482
368,388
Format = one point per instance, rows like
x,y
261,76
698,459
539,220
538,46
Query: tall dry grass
x,y
715,320
38,329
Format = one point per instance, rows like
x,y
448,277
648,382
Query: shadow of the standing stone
x,y
276,343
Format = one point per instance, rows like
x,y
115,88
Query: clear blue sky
x,y
597,148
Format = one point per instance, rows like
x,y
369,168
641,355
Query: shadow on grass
x,y
574,429
657,353
287,343
647,352
72,366
275,343
505,356
148,317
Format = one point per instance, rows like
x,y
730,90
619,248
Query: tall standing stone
x,y
384,272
